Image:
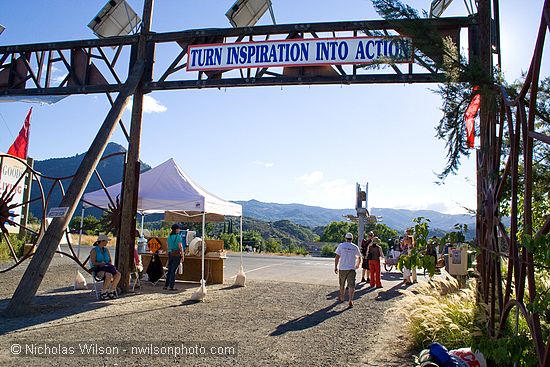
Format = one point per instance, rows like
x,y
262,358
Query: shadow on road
x,y
391,276
230,287
50,307
47,308
391,293
307,321
360,290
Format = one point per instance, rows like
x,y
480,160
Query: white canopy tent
x,y
166,188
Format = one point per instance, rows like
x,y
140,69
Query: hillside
x,y
109,169
310,216
313,216
282,229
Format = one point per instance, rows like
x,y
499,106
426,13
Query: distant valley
x,y
314,216
304,215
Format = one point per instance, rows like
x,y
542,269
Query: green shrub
x,y
17,243
272,245
328,251
301,251
230,241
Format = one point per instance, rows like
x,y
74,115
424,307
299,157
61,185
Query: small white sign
x,y
59,212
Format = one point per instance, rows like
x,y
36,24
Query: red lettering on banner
x,y
467,357
8,187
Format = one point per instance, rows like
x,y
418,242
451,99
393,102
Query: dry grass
x,y
86,239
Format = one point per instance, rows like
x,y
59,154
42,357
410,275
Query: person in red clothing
x,y
374,253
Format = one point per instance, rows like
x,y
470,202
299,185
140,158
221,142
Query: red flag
x,y
470,116
20,146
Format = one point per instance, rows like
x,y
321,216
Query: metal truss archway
x,y
94,66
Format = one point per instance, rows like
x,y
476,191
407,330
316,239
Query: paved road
x,y
298,269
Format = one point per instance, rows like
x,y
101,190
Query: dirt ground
x,y
262,324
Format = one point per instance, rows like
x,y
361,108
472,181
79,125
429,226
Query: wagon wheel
x,y
387,266
9,211
112,220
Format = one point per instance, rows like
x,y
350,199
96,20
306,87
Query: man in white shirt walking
x,y
348,259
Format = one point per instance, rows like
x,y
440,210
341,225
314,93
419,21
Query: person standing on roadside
x,y
364,246
346,262
175,253
407,244
375,252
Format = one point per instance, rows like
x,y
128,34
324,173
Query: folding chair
x,y
97,284
137,269
135,274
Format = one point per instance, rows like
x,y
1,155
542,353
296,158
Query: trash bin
x,y
142,245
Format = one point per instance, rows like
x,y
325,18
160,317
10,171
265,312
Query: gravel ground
x,y
262,324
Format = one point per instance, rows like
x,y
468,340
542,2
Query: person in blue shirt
x,y
175,256
103,268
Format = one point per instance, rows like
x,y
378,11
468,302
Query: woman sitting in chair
x,y
103,269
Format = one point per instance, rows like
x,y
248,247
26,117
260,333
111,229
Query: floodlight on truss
x,y
438,7
245,13
2,28
116,18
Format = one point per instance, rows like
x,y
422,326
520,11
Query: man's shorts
x,y
347,275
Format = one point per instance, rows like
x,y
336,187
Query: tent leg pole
x,y
241,234
80,233
203,282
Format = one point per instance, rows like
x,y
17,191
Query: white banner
x,y
300,52
10,171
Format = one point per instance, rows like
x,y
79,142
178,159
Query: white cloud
x,y
447,206
150,105
312,178
59,78
337,193
263,164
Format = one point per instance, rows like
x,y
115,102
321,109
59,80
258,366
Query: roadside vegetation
x,y
457,88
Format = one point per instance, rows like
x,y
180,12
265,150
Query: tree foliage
x,y
457,86
335,231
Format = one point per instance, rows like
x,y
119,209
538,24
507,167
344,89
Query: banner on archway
x,y
300,52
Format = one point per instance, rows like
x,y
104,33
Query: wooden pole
x,y
484,219
131,174
28,286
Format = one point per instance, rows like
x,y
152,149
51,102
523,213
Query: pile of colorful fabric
x,y
438,356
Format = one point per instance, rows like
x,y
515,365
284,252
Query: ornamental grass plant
x,y
439,311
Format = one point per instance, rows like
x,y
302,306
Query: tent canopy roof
x,y
167,188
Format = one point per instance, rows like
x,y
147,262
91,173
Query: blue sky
x,y
299,144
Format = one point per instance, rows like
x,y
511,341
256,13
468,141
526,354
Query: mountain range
x,y
314,216
111,169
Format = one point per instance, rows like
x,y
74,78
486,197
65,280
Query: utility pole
x,y
127,235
